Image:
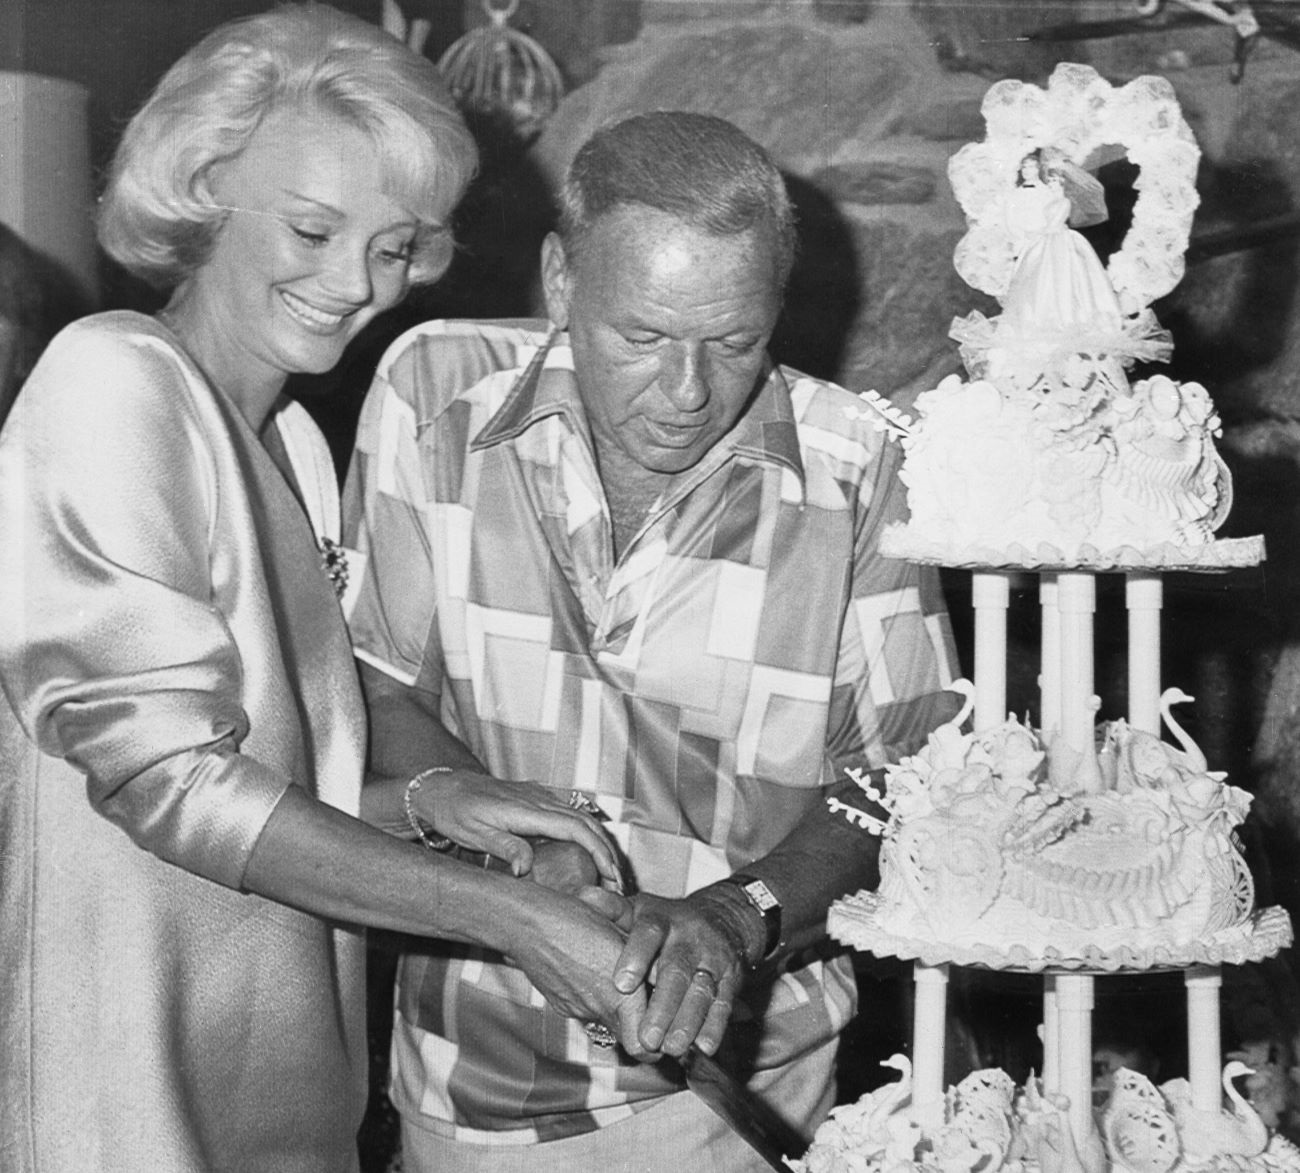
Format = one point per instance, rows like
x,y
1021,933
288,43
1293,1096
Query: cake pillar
x,y
1049,678
1076,602
1144,594
1204,1048
991,595
929,1028
1074,993
1051,1035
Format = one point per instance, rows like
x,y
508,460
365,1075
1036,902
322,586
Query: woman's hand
x,y
483,813
463,802
569,953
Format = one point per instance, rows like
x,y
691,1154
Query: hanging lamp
x,y
500,72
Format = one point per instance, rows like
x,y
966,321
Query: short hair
x,y
155,218
701,169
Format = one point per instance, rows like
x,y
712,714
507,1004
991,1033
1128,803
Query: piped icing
x,y
997,842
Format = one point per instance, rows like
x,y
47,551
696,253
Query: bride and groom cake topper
x,y
1076,465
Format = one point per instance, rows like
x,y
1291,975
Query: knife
x,y
743,1112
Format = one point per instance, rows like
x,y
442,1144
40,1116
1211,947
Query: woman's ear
x,y
557,280
203,190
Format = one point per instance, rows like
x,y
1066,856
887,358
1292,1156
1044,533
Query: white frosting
x,y
990,1125
991,839
992,467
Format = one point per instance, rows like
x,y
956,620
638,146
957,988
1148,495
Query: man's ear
x,y
556,280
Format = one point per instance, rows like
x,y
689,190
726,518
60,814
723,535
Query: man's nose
x,y
685,378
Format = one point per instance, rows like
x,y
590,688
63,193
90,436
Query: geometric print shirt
x,y
748,646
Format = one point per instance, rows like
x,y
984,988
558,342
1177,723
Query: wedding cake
x,y
1077,849
1047,454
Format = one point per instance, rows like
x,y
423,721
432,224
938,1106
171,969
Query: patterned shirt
x,y
747,646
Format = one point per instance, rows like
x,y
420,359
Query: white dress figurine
x,y
1060,305
1059,287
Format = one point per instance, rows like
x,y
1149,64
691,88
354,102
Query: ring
x,y
584,806
599,1034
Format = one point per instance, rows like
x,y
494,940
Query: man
x,y
625,555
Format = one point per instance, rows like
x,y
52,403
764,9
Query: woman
x,y
182,745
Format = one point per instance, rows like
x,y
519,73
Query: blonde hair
x,y
155,216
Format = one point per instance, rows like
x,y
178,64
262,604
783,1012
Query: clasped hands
x,y
664,972
689,955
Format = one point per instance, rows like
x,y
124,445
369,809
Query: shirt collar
x,y
546,387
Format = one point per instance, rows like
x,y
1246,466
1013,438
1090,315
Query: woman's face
x,y
311,250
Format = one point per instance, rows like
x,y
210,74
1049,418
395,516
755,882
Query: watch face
x,y
761,895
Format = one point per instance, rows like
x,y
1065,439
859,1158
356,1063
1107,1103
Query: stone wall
x,y
864,113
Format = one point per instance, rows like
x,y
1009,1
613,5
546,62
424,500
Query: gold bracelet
x,y
418,825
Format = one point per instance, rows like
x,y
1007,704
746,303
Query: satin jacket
x,y
173,658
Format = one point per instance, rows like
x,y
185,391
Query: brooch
x,y
334,561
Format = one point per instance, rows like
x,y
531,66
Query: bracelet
x,y
418,825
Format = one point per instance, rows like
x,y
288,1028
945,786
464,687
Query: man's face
x,y
668,325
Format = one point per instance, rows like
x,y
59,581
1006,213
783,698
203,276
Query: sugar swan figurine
x,y
1237,1130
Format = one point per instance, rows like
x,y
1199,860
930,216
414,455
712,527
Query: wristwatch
x,y
769,908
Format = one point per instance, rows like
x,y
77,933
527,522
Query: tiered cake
x,y
998,852
1070,850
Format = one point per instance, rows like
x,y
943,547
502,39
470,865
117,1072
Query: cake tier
x,y
1001,851
988,1125
854,921
902,541
996,475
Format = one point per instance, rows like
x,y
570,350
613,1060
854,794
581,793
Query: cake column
x,y
929,1028
1076,602
1049,677
1204,1048
1074,1000
1144,594
990,595
1051,1036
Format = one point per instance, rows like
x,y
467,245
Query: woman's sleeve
x,y
112,653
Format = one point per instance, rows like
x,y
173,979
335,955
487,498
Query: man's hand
x,y
563,866
695,952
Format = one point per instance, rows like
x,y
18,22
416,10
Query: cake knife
x,y
747,1116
